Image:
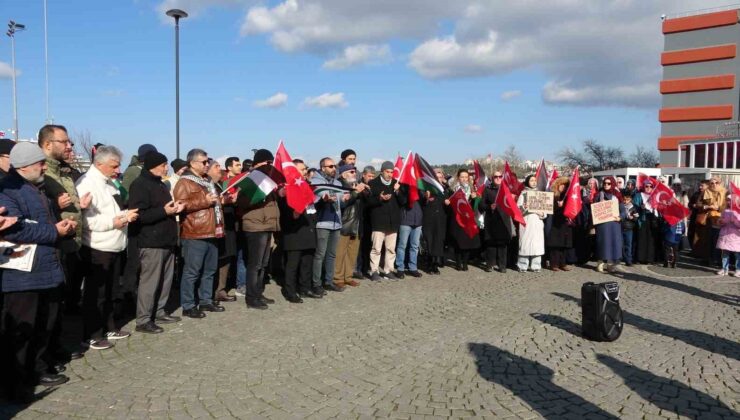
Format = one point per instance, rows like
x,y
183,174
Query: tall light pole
x,y
46,65
177,14
14,27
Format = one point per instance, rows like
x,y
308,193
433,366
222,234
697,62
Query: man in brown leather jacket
x,y
201,223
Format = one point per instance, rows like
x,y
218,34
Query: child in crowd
x,y
729,240
671,240
628,227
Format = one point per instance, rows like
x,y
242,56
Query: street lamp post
x,y
177,14
14,27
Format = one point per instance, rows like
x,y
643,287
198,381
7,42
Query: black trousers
x,y
257,259
101,287
298,271
461,257
558,257
670,253
28,319
496,255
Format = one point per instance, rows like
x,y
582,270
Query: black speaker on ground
x,y
601,313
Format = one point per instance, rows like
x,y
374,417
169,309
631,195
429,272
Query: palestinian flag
x,y
426,178
256,185
320,189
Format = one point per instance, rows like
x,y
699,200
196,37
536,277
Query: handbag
x,y
701,218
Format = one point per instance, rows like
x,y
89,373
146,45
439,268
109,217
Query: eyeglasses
x,y
202,162
352,171
497,176
68,141
607,183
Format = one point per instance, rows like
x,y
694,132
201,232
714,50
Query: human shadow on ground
x,y
532,382
692,290
702,340
668,394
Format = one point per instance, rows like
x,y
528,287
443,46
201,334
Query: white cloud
x,y
275,101
510,94
6,71
473,128
359,54
326,100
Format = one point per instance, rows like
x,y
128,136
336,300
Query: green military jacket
x,y
57,181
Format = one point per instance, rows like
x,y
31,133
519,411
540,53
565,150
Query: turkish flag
x,y
511,181
397,168
573,200
480,178
298,192
464,214
505,202
553,176
410,177
735,197
663,200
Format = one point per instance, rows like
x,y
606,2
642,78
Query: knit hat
x,y
25,153
178,164
144,149
6,145
344,168
386,165
154,159
348,152
262,155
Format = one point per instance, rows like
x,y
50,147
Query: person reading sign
x,y
605,211
540,201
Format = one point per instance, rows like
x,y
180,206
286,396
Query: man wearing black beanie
x,y
348,157
156,234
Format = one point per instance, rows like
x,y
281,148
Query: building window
x,y
686,154
700,154
720,155
730,160
710,155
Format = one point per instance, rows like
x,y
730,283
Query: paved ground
x,y
458,345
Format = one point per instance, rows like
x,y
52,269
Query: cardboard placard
x,y
604,211
540,202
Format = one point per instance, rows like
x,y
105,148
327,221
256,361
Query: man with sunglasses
x,y
329,222
352,224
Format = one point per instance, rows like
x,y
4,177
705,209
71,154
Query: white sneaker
x,y
723,273
600,267
737,273
117,335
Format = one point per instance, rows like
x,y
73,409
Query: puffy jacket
x,y
198,221
328,214
36,225
385,216
98,231
261,217
154,228
59,178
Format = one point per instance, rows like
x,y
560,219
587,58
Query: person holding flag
x,y
531,235
434,224
560,239
609,234
461,241
499,226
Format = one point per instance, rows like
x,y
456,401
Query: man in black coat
x,y
156,231
385,219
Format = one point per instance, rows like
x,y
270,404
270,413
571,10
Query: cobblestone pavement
x,y
472,344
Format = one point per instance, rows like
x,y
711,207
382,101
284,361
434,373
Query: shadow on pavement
x,y
532,382
702,340
668,394
694,291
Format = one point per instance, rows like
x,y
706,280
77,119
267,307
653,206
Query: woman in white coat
x,y
532,236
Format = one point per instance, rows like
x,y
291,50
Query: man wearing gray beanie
x,y
31,295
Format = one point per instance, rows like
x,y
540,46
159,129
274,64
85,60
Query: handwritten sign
x,y
540,202
604,211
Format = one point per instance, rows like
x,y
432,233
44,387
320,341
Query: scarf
x,y
211,188
386,183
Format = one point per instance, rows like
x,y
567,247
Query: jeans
x,y
326,253
241,270
627,246
407,235
726,260
200,262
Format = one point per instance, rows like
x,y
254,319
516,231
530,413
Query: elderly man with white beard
x,y
351,231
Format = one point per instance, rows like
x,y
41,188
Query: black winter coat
x,y
154,228
385,216
561,231
297,234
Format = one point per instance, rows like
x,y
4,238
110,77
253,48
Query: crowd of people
x,y
86,243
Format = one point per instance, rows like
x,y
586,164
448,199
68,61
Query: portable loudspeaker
x,y
601,313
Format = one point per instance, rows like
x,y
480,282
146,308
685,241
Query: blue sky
x,y
112,74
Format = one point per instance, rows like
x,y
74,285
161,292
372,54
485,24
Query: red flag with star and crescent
x,y
464,214
664,200
409,177
505,202
735,197
397,168
510,179
573,200
298,192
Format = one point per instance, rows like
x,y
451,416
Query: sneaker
x,y
117,335
737,273
375,276
391,276
100,344
241,291
414,273
599,267
357,275
723,273
399,274
384,276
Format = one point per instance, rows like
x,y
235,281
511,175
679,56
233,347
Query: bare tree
x,y
593,157
643,157
83,149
